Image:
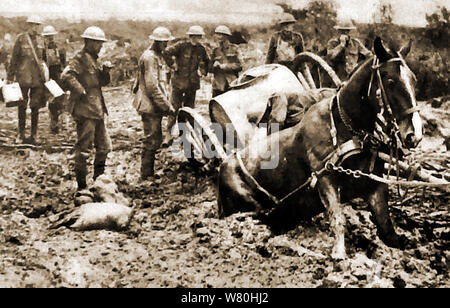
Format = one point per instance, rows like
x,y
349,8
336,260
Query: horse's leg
x,y
329,195
378,202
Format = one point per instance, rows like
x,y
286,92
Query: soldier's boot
x,y
80,170
99,166
54,115
81,180
147,164
34,125
22,114
54,128
99,169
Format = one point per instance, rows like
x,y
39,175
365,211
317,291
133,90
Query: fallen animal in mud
x,y
105,189
335,132
91,216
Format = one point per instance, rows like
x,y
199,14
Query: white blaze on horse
x,y
336,132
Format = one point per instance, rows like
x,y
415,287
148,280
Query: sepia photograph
x,y
224,149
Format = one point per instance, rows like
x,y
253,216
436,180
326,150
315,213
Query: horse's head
x,y
396,82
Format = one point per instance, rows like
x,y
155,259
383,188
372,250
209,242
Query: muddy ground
x,y
175,238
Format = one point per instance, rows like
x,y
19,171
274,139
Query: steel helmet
x,y
223,29
34,19
49,30
161,34
94,33
345,26
195,30
287,19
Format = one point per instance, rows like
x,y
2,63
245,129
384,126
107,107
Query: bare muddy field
x,y
175,238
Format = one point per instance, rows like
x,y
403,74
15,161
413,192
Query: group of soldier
x,y
167,78
29,48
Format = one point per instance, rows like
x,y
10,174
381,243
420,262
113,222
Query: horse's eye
x,y
390,82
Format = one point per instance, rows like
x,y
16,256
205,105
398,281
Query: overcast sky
x,y
408,12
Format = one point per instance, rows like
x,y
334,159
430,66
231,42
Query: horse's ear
x,y
406,49
380,51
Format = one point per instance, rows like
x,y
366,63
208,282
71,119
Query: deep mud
x,y
175,238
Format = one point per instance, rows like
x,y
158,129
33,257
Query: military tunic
x,y
189,60
228,56
30,76
345,59
83,74
85,79
283,47
152,102
24,69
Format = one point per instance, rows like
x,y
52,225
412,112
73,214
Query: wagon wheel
x,y
313,72
198,138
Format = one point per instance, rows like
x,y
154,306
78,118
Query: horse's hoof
x,y
399,241
405,243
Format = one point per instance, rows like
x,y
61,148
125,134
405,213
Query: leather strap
x,y
38,63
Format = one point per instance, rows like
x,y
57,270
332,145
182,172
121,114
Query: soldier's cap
x,y
49,30
94,33
161,34
345,26
223,30
287,19
195,30
34,19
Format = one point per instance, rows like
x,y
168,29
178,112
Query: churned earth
x,y
175,238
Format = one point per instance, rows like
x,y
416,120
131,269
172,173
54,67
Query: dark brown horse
x,y
304,149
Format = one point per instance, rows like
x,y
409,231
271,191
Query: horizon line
x,y
76,19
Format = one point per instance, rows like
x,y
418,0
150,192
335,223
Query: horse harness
x,y
354,146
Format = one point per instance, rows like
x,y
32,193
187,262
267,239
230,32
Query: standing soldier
x,y
285,44
56,61
26,68
344,52
225,61
189,60
151,99
85,78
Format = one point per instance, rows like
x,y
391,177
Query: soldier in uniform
x,y
285,44
224,61
56,60
30,75
343,53
152,99
85,77
189,61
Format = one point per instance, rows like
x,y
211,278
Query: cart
x,y
236,116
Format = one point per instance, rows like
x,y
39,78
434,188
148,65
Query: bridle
x,y
390,126
376,71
